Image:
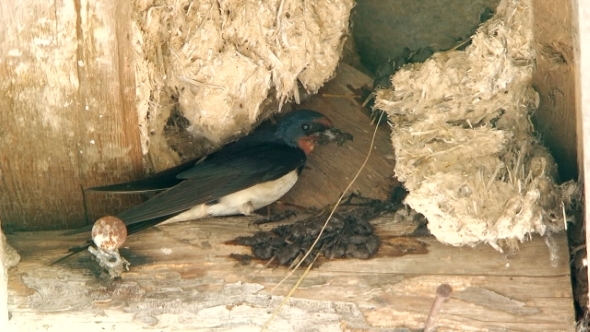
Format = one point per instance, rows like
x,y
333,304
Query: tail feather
x,y
73,251
78,230
157,182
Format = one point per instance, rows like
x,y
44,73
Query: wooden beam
x,y
68,118
554,79
581,14
182,277
7,260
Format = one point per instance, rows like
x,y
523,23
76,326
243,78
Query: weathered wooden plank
x,y
182,277
8,258
68,117
554,79
581,12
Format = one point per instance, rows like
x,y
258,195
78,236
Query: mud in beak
x,y
329,134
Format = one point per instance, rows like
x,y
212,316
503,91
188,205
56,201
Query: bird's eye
x,y
305,126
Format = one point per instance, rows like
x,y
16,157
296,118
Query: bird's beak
x,y
308,143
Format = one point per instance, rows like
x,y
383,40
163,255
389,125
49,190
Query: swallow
x,y
242,177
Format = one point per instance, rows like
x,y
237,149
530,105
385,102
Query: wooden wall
x,y
581,10
67,116
554,79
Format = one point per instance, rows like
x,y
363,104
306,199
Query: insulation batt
x,y
465,145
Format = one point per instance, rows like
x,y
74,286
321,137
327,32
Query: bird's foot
x,y
275,217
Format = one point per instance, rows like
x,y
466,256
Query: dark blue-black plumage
x,y
220,183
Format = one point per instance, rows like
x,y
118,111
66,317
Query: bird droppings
x,y
348,234
243,259
465,147
343,238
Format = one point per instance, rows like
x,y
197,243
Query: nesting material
x,y
218,61
464,142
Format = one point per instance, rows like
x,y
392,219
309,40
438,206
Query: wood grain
x,y
67,117
331,168
182,278
582,61
554,79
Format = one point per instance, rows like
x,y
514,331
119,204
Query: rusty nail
x,y
443,293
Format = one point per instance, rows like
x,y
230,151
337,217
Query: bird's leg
x,y
294,206
282,213
270,217
247,209
276,217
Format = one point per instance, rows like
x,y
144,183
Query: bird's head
x,y
300,128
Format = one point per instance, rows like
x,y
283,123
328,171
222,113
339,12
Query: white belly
x,y
242,202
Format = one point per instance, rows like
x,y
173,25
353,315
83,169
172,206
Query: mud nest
x,y
465,146
224,65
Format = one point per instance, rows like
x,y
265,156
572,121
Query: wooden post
x,y
581,14
5,261
67,110
554,79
